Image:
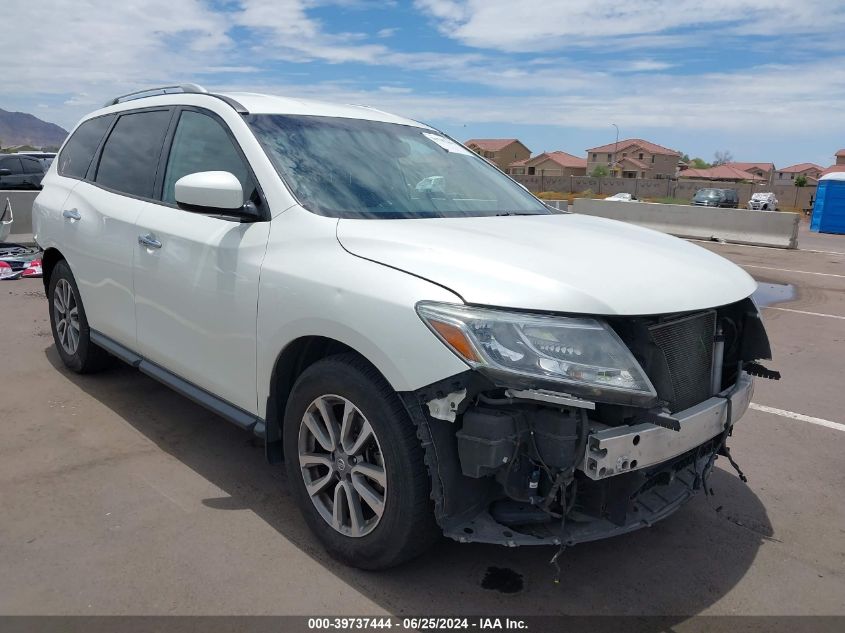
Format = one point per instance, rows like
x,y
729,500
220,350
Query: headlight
x,y
583,353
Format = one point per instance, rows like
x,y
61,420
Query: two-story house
x,y
499,151
549,164
634,158
787,175
838,165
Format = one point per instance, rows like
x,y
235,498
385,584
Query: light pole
x,y
616,145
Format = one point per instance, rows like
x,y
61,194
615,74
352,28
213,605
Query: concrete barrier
x,y
562,205
759,228
21,202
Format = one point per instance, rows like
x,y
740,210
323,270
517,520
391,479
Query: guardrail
x,y
21,202
738,226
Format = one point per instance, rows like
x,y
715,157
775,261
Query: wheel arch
x,y
49,259
294,359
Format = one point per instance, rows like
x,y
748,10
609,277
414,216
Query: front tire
x,y
71,333
355,465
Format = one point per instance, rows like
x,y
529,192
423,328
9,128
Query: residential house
x,y
499,151
787,175
725,173
634,158
549,164
838,165
764,171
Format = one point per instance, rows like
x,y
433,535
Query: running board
x,y
221,407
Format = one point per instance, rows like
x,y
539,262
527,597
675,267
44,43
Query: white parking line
x,y
818,314
797,416
788,270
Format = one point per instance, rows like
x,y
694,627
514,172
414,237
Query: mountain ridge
x,y
22,128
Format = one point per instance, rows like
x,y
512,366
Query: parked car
x,y
763,202
20,172
622,197
708,197
470,364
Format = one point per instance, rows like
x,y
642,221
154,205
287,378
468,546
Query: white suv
x,y
426,358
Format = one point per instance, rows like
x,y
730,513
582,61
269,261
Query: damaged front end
x,y
610,444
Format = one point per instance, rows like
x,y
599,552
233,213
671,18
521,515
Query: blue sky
x,y
763,79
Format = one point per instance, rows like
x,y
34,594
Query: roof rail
x,y
152,92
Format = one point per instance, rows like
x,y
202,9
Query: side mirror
x,y
5,172
213,192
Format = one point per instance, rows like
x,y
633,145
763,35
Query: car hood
x,y
557,263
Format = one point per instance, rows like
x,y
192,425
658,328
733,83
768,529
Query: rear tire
x,y
335,463
71,333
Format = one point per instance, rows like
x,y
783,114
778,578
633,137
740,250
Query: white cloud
x,y
80,61
560,24
97,44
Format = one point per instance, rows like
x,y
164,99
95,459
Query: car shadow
x,y
679,567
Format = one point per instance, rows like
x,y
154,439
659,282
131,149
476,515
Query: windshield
x,y
352,168
708,194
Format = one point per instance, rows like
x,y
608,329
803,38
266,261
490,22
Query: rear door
x,y
196,288
99,219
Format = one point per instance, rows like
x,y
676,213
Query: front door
x,y
196,276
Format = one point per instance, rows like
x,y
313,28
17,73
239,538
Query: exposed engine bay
x,y
521,461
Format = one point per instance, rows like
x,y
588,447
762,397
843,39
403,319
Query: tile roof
x,y
800,167
841,152
747,166
563,159
652,148
491,144
833,169
721,172
635,162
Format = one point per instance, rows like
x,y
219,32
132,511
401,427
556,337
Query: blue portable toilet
x,y
829,208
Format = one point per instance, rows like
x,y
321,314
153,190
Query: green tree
x,y
800,180
600,171
699,163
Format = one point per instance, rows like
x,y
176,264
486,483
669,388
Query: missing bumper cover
x,y
615,450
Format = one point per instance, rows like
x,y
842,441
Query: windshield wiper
x,y
503,213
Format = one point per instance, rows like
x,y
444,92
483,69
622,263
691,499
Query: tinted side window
x,y
13,165
130,156
79,150
202,144
32,166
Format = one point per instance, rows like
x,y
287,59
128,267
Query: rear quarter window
x,y
78,152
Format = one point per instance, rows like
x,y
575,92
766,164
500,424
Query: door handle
x,y
71,214
149,241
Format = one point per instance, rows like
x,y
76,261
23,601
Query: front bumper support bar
x,y
620,449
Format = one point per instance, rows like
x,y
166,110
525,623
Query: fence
x,y
790,196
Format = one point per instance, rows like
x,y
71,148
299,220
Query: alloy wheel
x,y
342,465
66,313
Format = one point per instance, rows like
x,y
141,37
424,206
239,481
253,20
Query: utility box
x,y
829,208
